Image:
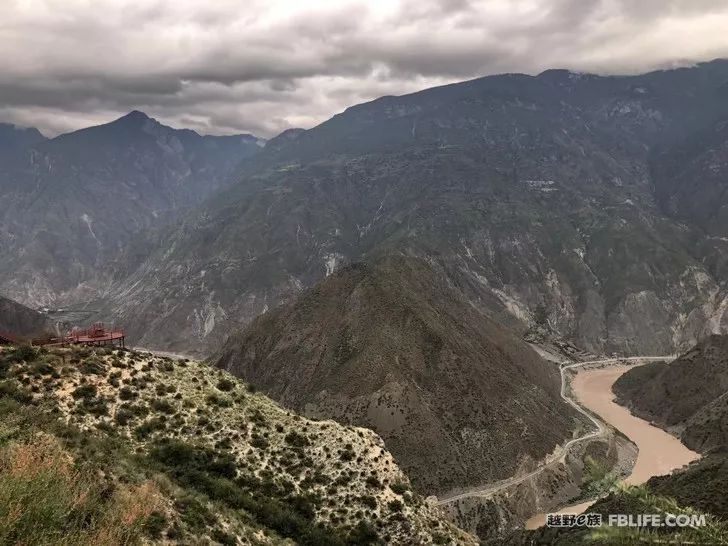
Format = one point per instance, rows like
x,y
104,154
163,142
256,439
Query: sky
x,y
262,66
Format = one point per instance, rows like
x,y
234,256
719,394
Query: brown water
x,y
659,452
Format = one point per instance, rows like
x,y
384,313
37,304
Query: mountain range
x,y
71,203
382,269
554,197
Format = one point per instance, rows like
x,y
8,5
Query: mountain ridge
x,y
457,398
75,200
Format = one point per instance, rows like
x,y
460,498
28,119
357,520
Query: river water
x,y
659,452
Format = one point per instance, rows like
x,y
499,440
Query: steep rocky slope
x,y
531,193
22,322
688,396
72,202
457,399
139,449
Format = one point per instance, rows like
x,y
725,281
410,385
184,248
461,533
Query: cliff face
x,y
458,400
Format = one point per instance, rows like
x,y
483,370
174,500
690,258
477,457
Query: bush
x,y
400,488
84,392
23,353
373,482
12,390
395,505
295,439
219,401
93,367
125,393
363,534
162,406
225,384
123,416
147,427
154,525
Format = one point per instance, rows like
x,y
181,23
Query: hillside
x,y
117,447
457,399
22,322
688,396
552,193
70,203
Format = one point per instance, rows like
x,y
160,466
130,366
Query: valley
x,y
581,401
659,453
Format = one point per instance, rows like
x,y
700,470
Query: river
x,y
659,452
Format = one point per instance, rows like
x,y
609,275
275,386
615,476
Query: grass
x,y
46,499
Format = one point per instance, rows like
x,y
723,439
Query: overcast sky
x,y
261,66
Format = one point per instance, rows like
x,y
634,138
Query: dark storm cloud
x,y
263,66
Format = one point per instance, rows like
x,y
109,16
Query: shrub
x,y
125,393
84,392
220,401
363,533
23,353
12,390
123,416
162,406
225,384
373,482
93,367
400,488
295,439
154,525
395,505
147,427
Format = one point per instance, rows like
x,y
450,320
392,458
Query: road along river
x,y
659,452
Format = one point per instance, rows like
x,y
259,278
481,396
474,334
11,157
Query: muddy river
x,y
659,452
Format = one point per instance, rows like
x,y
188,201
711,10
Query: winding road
x,y
485,491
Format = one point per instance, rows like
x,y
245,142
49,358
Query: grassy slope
x,y
202,457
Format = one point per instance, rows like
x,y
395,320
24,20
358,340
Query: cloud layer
x,y
263,66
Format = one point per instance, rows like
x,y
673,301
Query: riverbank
x,y
659,452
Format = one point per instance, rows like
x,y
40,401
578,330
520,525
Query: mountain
x,y
117,447
390,346
74,201
21,322
543,198
13,138
688,396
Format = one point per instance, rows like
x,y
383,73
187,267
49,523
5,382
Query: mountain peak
x,y
14,137
136,114
135,117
